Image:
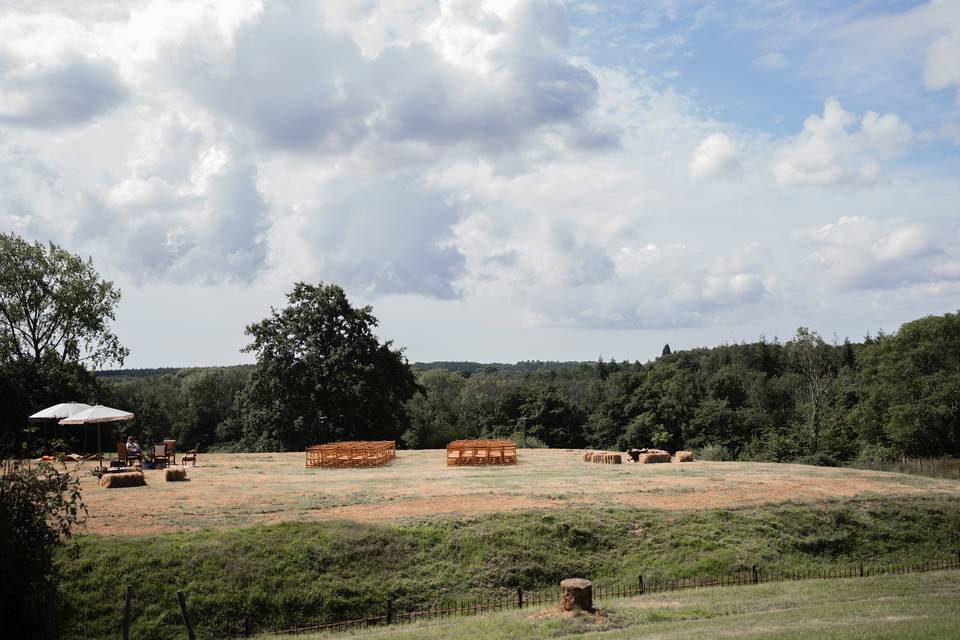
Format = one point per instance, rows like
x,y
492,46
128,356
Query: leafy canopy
x,y
322,375
54,306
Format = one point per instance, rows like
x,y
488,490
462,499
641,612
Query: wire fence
x,y
520,599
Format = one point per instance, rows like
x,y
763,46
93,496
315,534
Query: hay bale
x,y
683,456
119,480
173,474
653,456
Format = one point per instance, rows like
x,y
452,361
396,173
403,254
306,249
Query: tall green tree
x,y
911,387
322,375
55,317
54,305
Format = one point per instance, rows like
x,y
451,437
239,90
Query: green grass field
x,y
259,578
917,606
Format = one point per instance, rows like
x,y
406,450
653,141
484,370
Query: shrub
x,y
714,452
527,442
38,508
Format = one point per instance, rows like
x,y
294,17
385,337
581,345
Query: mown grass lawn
x,y
262,578
910,607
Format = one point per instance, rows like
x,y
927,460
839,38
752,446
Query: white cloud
x,y
449,156
772,61
858,252
831,150
715,156
942,66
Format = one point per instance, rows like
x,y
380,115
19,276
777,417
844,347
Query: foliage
x,y
245,580
714,452
322,375
54,304
55,314
38,508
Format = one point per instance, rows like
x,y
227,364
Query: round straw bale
x,y
126,479
174,474
683,456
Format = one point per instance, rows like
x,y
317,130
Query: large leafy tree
x,y
322,375
55,315
911,384
54,306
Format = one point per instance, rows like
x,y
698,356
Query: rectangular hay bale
x,y
120,480
653,456
683,456
173,474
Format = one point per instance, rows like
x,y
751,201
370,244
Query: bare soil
x,y
229,490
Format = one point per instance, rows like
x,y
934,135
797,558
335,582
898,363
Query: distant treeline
x,y
804,399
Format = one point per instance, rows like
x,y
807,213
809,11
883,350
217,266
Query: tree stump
x,y
576,593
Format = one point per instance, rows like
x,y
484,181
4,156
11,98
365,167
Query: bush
x,y
527,442
38,508
714,452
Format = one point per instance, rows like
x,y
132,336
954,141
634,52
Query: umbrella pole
x,y
99,447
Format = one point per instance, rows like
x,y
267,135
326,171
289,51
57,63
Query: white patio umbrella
x,y
98,414
58,412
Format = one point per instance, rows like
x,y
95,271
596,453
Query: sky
x,y
502,180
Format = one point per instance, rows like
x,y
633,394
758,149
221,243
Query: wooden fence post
x,y
640,582
390,611
756,575
861,568
519,597
186,615
126,614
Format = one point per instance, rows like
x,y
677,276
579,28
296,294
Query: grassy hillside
x,y
268,577
915,607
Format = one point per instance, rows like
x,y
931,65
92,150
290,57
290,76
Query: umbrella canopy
x,y
58,411
98,414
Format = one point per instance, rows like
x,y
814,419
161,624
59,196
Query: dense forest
x,y
800,400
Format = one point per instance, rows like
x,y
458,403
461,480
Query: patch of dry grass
x,y
230,490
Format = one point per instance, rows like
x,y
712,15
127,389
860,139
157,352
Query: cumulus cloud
x,y
468,75
832,150
715,156
459,152
51,96
941,68
380,236
866,253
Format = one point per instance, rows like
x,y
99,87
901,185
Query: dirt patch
x,y
242,489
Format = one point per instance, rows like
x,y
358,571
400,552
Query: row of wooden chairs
x,y
481,452
351,454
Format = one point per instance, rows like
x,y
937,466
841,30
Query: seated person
x,y
133,448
